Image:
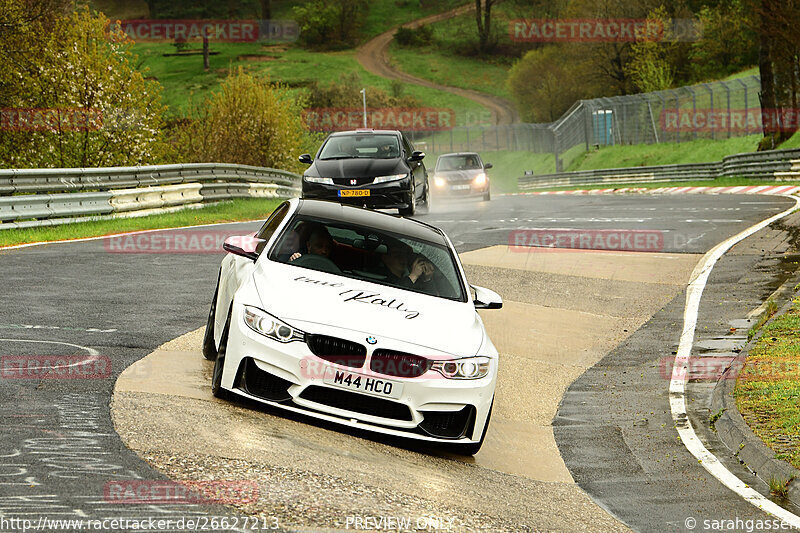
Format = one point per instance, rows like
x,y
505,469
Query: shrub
x,y
249,121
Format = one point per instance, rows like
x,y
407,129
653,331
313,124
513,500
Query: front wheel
x,y
426,201
219,363
209,346
487,195
412,205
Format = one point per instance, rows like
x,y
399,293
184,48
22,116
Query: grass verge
x,y
231,211
768,387
719,182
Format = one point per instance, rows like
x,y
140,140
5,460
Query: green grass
x,y
719,182
232,211
433,64
184,79
638,155
768,387
385,15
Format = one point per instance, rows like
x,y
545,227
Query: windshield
x,y
369,255
458,162
361,146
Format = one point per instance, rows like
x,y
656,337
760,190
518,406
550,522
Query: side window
x,y
407,146
273,222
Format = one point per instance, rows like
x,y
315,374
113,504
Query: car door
x,y
418,171
236,269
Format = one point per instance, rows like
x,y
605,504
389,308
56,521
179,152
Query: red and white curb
x,y
742,189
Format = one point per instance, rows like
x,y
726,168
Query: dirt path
x,y
374,56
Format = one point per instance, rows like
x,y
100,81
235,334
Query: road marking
x,y
60,328
91,351
677,386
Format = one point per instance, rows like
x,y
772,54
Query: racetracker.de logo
x,y
137,491
50,119
537,240
712,368
226,31
752,120
602,30
55,367
172,242
389,118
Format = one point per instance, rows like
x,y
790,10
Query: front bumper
x,y
460,189
291,377
389,195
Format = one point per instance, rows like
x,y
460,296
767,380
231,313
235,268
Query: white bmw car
x,y
355,317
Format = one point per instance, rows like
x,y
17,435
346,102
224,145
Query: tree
x,y
72,94
649,66
483,18
779,67
331,24
546,82
728,43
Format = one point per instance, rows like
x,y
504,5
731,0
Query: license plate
x,y
356,382
459,187
354,192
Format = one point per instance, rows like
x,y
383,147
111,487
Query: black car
x,y
373,168
462,174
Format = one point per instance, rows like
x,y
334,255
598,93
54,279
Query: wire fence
x,y
718,110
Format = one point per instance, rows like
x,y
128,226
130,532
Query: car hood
x,y
357,168
301,296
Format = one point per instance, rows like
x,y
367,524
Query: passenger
x,y
395,267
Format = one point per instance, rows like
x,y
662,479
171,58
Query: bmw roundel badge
x,y
372,340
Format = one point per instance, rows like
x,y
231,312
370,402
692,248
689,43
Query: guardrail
x,y
45,197
769,165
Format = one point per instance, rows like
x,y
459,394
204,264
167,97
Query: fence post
x,y
587,117
559,167
694,108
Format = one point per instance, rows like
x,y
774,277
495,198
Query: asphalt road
x,y
59,449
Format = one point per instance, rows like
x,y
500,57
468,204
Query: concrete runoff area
x,y
316,475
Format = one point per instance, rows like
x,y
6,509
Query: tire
x,y
209,346
487,196
426,206
412,208
219,362
472,449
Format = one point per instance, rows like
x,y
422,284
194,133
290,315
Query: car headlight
x,y
480,179
439,182
384,179
269,326
313,179
467,368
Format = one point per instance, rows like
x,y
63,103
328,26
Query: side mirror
x,y
486,299
305,158
416,155
243,245
487,166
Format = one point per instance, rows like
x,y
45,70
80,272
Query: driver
x,y
320,245
386,151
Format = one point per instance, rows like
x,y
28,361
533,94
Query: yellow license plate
x,y
354,192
